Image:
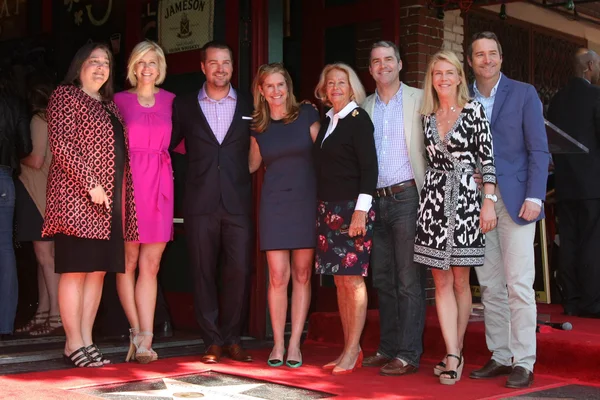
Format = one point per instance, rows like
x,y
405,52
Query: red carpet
x,y
364,383
563,358
571,354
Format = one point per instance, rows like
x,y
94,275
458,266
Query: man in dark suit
x,y
215,123
576,110
521,156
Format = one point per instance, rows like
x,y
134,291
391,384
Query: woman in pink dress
x,y
147,113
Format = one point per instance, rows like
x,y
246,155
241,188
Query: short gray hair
x,y
387,44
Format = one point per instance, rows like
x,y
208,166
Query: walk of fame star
x,y
182,390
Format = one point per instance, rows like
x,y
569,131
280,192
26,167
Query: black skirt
x,y
75,254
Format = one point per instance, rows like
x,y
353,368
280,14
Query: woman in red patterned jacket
x,y
90,207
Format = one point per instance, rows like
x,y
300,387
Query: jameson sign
x,y
185,25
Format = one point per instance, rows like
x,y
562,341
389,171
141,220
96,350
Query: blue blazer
x,y
520,145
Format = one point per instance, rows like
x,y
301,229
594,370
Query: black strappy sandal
x,y
96,355
79,359
451,377
439,368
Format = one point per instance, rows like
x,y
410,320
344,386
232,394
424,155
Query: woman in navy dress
x,y
283,136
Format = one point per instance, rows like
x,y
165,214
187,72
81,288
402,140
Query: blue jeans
x,y
399,281
9,287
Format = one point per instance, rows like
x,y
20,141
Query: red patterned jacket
x,y
82,141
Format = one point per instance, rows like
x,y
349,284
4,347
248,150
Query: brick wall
x,y
421,35
454,32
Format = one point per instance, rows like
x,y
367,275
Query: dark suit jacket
x,y
520,145
576,110
216,172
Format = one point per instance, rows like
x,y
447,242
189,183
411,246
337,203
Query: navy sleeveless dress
x,y
288,200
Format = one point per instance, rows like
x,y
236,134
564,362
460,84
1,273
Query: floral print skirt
x,y
336,252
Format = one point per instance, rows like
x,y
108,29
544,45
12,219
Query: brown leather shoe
x,y
376,360
237,353
491,369
212,354
397,368
519,378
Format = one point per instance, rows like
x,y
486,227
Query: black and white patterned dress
x,y
448,232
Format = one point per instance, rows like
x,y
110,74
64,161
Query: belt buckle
x,y
390,191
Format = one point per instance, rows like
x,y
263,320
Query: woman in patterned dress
x,y
283,136
347,170
90,209
451,222
146,110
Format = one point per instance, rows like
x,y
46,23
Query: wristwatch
x,y
492,197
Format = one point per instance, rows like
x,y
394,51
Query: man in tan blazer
x,y
394,110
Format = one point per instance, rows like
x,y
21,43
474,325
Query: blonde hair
x,y
140,51
431,102
261,117
358,91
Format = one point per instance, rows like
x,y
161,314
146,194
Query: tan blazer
x,y
413,129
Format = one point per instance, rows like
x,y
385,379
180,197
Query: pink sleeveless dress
x,y
149,131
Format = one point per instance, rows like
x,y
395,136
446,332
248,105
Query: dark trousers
x,y
399,281
9,286
219,240
579,268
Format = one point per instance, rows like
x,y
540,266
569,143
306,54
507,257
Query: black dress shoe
x,y
491,369
520,378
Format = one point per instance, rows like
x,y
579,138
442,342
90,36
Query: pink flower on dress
x,y
365,268
372,215
334,222
321,208
322,243
359,244
368,245
349,260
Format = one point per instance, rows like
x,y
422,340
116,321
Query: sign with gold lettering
x,y
13,19
185,25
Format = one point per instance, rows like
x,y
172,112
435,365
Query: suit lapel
x,y
408,109
369,105
501,96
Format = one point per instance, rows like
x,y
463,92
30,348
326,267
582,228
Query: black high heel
x,y
451,377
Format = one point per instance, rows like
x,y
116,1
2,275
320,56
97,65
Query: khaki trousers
x,y
506,280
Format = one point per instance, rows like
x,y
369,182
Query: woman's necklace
x,y
146,101
448,116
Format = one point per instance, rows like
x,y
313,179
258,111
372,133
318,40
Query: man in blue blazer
x,y
521,154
